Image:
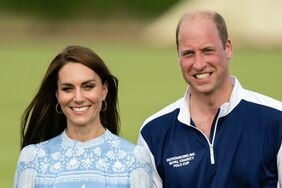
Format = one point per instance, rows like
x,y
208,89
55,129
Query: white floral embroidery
x,y
41,153
69,152
56,167
118,167
110,155
102,164
106,162
87,162
130,160
114,143
44,165
121,154
55,155
79,151
97,151
72,164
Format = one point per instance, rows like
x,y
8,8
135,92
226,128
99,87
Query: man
x,y
218,135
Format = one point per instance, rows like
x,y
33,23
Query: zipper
x,y
212,154
212,142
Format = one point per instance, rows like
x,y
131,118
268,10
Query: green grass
x,y
149,78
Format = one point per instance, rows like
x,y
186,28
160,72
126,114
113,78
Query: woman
x,y
69,130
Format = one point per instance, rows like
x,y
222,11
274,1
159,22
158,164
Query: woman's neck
x,y
84,133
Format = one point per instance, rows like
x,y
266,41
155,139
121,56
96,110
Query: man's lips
x,y
203,75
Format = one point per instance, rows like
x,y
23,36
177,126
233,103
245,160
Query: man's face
x,y
202,57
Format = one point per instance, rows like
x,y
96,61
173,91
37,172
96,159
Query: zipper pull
x,y
212,154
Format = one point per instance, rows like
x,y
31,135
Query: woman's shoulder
x,y
118,142
30,152
137,151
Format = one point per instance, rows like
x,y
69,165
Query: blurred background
x,y
136,40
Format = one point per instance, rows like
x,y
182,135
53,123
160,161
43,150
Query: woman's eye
x,y
89,86
66,89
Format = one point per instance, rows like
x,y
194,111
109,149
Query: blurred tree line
x,y
92,9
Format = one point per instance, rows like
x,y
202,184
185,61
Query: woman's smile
x,y
80,109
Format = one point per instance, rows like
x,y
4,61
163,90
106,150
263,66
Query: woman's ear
x,y
105,90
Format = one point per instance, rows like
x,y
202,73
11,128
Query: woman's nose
x,y
78,95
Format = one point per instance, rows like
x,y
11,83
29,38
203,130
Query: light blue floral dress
x,y
106,161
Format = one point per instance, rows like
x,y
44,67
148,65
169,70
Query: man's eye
x,y
209,51
187,54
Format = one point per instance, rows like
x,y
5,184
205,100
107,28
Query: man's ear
x,y
228,49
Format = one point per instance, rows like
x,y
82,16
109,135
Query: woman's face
x,y
80,94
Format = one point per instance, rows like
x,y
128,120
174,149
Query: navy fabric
x,y
246,144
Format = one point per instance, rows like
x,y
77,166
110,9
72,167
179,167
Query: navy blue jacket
x,y
244,150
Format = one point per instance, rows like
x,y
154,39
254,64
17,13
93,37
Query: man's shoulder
x,y
165,113
262,99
